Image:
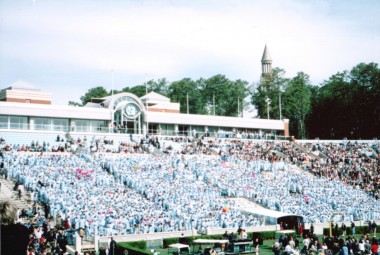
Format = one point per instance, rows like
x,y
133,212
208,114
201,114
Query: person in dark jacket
x,y
14,236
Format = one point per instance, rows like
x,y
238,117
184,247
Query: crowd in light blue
x,y
120,194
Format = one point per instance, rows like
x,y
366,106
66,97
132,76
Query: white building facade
x,y
152,114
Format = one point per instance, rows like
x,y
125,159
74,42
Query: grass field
x,y
265,248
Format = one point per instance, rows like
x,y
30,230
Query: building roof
x,y
93,105
155,97
22,85
266,55
54,111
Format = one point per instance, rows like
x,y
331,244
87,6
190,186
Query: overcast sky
x,y
66,47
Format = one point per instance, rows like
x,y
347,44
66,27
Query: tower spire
x,y
266,64
266,56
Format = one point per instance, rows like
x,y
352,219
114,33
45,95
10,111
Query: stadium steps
x,y
7,193
82,150
374,150
308,152
157,152
175,146
213,151
87,247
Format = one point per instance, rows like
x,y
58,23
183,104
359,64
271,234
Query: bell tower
x,y
266,65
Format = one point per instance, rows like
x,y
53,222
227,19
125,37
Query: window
x,y
42,124
4,122
60,124
82,125
183,130
18,122
167,129
89,125
98,125
212,130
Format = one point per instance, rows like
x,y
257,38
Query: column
x,y
31,124
78,243
175,129
96,242
286,127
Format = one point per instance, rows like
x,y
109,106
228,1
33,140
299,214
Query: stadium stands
x,y
129,191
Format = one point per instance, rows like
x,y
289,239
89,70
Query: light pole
x,y
187,102
213,103
268,103
146,105
280,88
113,112
279,104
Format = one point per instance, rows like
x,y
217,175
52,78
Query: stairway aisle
x,y
7,193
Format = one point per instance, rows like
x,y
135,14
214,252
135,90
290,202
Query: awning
x,y
202,241
179,246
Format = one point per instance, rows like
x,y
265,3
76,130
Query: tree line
x,y
346,105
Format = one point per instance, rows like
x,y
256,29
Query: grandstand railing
x,y
239,134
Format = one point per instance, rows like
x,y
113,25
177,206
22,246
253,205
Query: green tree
x,y
72,103
138,90
280,84
316,116
347,105
160,86
223,95
187,90
96,92
259,97
269,93
125,89
213,93
238,91
297,103
365,78
331,114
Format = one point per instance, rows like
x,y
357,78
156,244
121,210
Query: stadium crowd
x,y
354,163
326,245
180,190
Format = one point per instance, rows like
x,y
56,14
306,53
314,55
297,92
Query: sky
x,y
66,47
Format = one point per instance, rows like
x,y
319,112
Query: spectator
x,y
112,250
14,236
374,227
353,228
276,248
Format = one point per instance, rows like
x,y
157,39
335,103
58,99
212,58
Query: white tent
x,y
270,216
179,246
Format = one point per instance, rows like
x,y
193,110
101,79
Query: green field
x,y
140,248
265,249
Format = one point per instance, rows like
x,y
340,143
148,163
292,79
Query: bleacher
x,y
22,137
25,138
90,140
